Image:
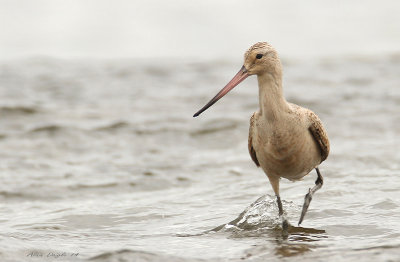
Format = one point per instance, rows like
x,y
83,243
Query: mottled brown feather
x,y
318,132
250,145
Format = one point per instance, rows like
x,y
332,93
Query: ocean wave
x,y
136,255
17,110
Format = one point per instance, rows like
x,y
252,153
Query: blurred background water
x,y
101,160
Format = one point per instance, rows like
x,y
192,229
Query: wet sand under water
x,y
102,161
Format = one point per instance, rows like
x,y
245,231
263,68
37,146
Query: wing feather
x,y
321,137
250,144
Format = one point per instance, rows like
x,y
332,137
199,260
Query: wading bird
x,y
285,140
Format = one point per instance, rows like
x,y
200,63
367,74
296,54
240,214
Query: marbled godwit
x,y
286,140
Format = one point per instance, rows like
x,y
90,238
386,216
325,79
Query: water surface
x,y
102,161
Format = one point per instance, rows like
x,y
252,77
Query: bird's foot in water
x,y
285,224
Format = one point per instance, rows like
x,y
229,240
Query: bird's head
x,y
259,59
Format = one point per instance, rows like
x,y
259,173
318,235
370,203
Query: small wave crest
x,y
113,126
17,110
216,126
135,255
47,129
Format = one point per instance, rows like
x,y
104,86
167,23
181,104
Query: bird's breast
x,y
285,149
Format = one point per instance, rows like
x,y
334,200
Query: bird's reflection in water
x,y
290,250
297,241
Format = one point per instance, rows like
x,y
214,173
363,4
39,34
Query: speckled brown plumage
x,y
318,132
316,129
250,142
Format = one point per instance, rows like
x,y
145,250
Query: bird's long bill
x,y
239,77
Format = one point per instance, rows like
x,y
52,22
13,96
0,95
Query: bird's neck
x,y
272,102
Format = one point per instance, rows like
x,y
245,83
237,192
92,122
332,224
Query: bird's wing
x,y
318,132
251,148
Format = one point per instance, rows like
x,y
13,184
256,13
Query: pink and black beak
x,y
238,78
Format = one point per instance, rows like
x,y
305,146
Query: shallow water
x,y
102,160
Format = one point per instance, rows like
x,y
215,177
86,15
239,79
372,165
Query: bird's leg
x,y
307,199
274,180
285,223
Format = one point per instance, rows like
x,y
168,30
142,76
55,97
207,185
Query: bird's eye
x,y
259,56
